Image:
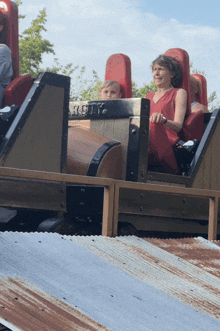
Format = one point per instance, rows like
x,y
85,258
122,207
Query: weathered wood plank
x,y
213,218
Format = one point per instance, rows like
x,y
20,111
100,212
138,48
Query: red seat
x,y
193,126
118,68
17,90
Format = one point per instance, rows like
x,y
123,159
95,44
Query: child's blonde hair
x,y
108,83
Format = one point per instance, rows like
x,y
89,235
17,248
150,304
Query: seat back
x,y
193,126
183,58
17,90
10,11
201,96
118,68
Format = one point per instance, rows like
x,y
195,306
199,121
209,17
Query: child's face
x,y
109,93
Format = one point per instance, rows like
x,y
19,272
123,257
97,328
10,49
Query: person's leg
x,y
161,148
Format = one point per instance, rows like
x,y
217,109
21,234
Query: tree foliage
x,y
142,91
32,46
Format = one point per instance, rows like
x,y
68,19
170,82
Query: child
x,y
196,106
110,90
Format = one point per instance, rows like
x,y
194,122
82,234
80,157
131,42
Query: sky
x,y
87,32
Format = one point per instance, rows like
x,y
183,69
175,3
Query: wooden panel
x,y
108,207
117,130
53,177
162,224
111,164
165,183
38,145
33,195
213,219
208,175
166,205
167,190
82,145
85,123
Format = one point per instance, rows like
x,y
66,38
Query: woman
x,y
167,111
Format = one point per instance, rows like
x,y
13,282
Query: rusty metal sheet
x,y
198,251
168,273
123,283
27,307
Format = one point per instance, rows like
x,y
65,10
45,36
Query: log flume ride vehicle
x,y
45,140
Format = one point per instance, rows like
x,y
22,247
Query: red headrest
x,y
183,58
118,68
201,96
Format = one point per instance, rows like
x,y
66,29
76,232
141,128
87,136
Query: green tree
x,y
18,3
142,91
32,46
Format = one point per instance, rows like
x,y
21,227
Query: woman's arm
x,y
180,112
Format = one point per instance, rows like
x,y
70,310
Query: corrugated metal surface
x,y
198,251
124,284
154,266
25,306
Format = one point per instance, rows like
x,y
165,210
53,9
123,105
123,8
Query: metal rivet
x,y
104,111
141,196
62,205
134,131
141,208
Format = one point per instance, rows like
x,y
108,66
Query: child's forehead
x,y
112,87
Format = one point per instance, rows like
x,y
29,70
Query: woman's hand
x,y
157,118
180,112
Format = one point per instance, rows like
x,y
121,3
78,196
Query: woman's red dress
x,y
163,138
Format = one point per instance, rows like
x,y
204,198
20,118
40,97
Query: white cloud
x,y
88,32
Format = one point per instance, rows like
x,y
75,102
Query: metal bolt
x,y
141,196
134,131
62,205
104,111
141,208
83,190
